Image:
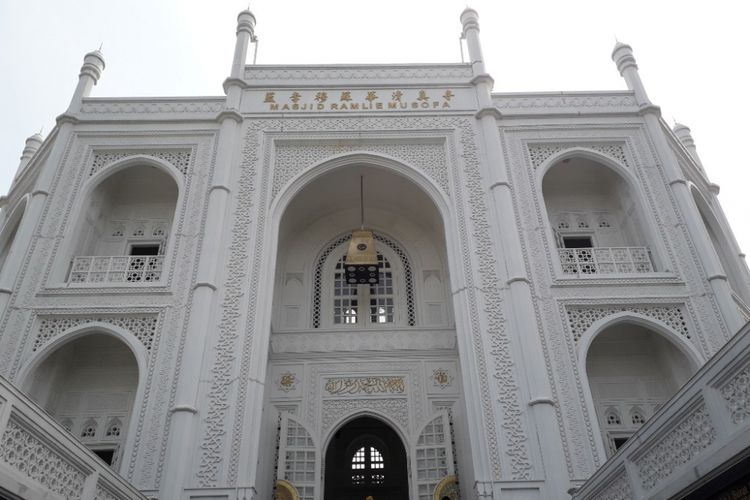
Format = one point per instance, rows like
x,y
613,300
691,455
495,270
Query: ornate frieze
x,y
150,106
580,319
540,152
181,159
143,326
334,410
736,394
684,442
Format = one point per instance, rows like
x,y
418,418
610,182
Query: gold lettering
x,y
448,95
285,107
346,96
321,106
415,105
392,105
425,104
274,107
371,96
446,105
435,104
354,105
295,97
397,95
422,96
321,97
379,105
269,97
295,106
334,106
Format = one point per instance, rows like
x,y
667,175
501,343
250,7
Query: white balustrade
x,y
116,269
605,260
693,438
40,459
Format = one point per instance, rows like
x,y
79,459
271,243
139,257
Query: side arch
x,y
24,378
75,222
655,327
643,215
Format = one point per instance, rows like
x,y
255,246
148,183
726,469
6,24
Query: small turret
x,y
623,57
91,71
33,144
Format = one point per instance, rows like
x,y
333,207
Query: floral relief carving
x,y
618,489
505,102
540,152
30,456
151,107
335,409
291,159
143,327
580,319
180,159
736,393
681,445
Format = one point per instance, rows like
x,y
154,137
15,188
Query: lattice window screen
x,y
408,278
433,458
298,461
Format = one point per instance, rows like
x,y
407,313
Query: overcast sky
x,y
693,56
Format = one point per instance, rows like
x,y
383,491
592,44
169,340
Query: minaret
x,y
33,144
683,134
188,408
623,57
535,394
91,71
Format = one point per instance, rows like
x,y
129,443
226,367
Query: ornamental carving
x,y
151,107
103,493
179,159
580,319
293,158
33,458
441,378
618,489
540,152
287,382
365,385
543,102
394,408
143,327
736,394
683,443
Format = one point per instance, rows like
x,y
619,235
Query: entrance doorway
x,y
366,460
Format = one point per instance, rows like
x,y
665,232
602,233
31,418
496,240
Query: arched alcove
x,y
123,226
313,238
366,457
632,371
89,385
596,219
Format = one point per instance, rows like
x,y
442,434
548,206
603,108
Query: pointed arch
x,y
27,373
608,236
104,227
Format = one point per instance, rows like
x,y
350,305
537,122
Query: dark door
x,y
366,458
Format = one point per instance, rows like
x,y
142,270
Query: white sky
x,y
692,56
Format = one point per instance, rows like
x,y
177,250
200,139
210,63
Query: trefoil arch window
x,y
336,302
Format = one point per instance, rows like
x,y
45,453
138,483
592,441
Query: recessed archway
x,y
89,385
366,457
632,371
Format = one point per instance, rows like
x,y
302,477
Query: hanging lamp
x,y
362,258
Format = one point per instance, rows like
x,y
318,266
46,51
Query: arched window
x,y
338,303
368,466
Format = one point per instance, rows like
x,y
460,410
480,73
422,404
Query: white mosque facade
x,y
551,269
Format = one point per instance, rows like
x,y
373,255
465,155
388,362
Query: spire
x,y
623,57
32,145
686,138
91,71
470,32
245,35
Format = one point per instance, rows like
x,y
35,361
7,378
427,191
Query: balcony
x,y
605,260
116,269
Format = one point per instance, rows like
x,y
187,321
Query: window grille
x,y
346,303
368,466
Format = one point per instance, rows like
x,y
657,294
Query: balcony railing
x,y
605,260
116,269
